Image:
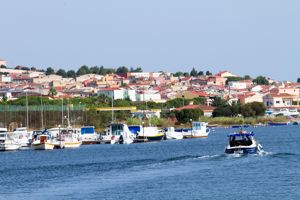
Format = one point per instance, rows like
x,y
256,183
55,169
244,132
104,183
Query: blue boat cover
x,y
134,129
87,130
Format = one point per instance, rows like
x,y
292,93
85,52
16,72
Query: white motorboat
x,y
71,138
242,143
88,135
172,134
23,136
7,141
118,133
149,134
42,141
198,130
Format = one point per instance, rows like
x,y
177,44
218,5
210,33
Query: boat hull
x,y
241,150
72,144
9,147
149,138
43,146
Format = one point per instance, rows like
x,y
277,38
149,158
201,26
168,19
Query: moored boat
x,y
88,135
278,123
22,136
149,134
42,141
7,141
242,143
172,134
71,138
118,133
198,130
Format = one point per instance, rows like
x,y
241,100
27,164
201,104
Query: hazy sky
x,y
246,37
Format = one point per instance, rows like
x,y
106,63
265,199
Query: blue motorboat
x,y
242,142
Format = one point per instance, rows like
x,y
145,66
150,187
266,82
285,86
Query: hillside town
x,y
278,97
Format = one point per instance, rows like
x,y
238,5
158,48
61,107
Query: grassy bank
x,y
224,121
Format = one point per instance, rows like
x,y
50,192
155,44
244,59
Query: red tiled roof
x,y
202,107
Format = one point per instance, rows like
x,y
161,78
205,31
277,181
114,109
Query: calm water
x,y
185,169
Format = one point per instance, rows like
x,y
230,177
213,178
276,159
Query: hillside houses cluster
x,y
150,86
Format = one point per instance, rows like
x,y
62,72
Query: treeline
x,y
91,70
223,109
103,101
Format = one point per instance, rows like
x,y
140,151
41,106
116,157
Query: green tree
x,y
261,80
176,103
71,74
186,74
52,92
200,73
61,72
298,80
178,74
2,66
247,111
199,101
95,70
259,108
138,69
49,71
122,70
233,78
208,73
219,102
83,70
247,77
193,72
221,111
184,116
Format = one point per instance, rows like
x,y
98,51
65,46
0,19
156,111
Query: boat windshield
x,y
240,140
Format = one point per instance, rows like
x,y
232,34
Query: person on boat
x,y
232,142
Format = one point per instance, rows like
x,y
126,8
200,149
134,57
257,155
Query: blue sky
x,y
246,37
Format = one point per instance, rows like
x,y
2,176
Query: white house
x,y
240,85
118,93
278,100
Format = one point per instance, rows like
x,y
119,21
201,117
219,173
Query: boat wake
x,y
191,158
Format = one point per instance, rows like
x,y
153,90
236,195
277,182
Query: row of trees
x,y
91,70
223,109
193,73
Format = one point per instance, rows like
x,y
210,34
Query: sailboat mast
x,y
69,124
27,118
62,112
42,110
112,108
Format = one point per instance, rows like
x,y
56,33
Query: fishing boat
x,y
7,141
242,142
172,134
278,123
149,134
42,141
118,133
198,130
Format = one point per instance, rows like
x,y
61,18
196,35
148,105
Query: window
x,y
277,102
